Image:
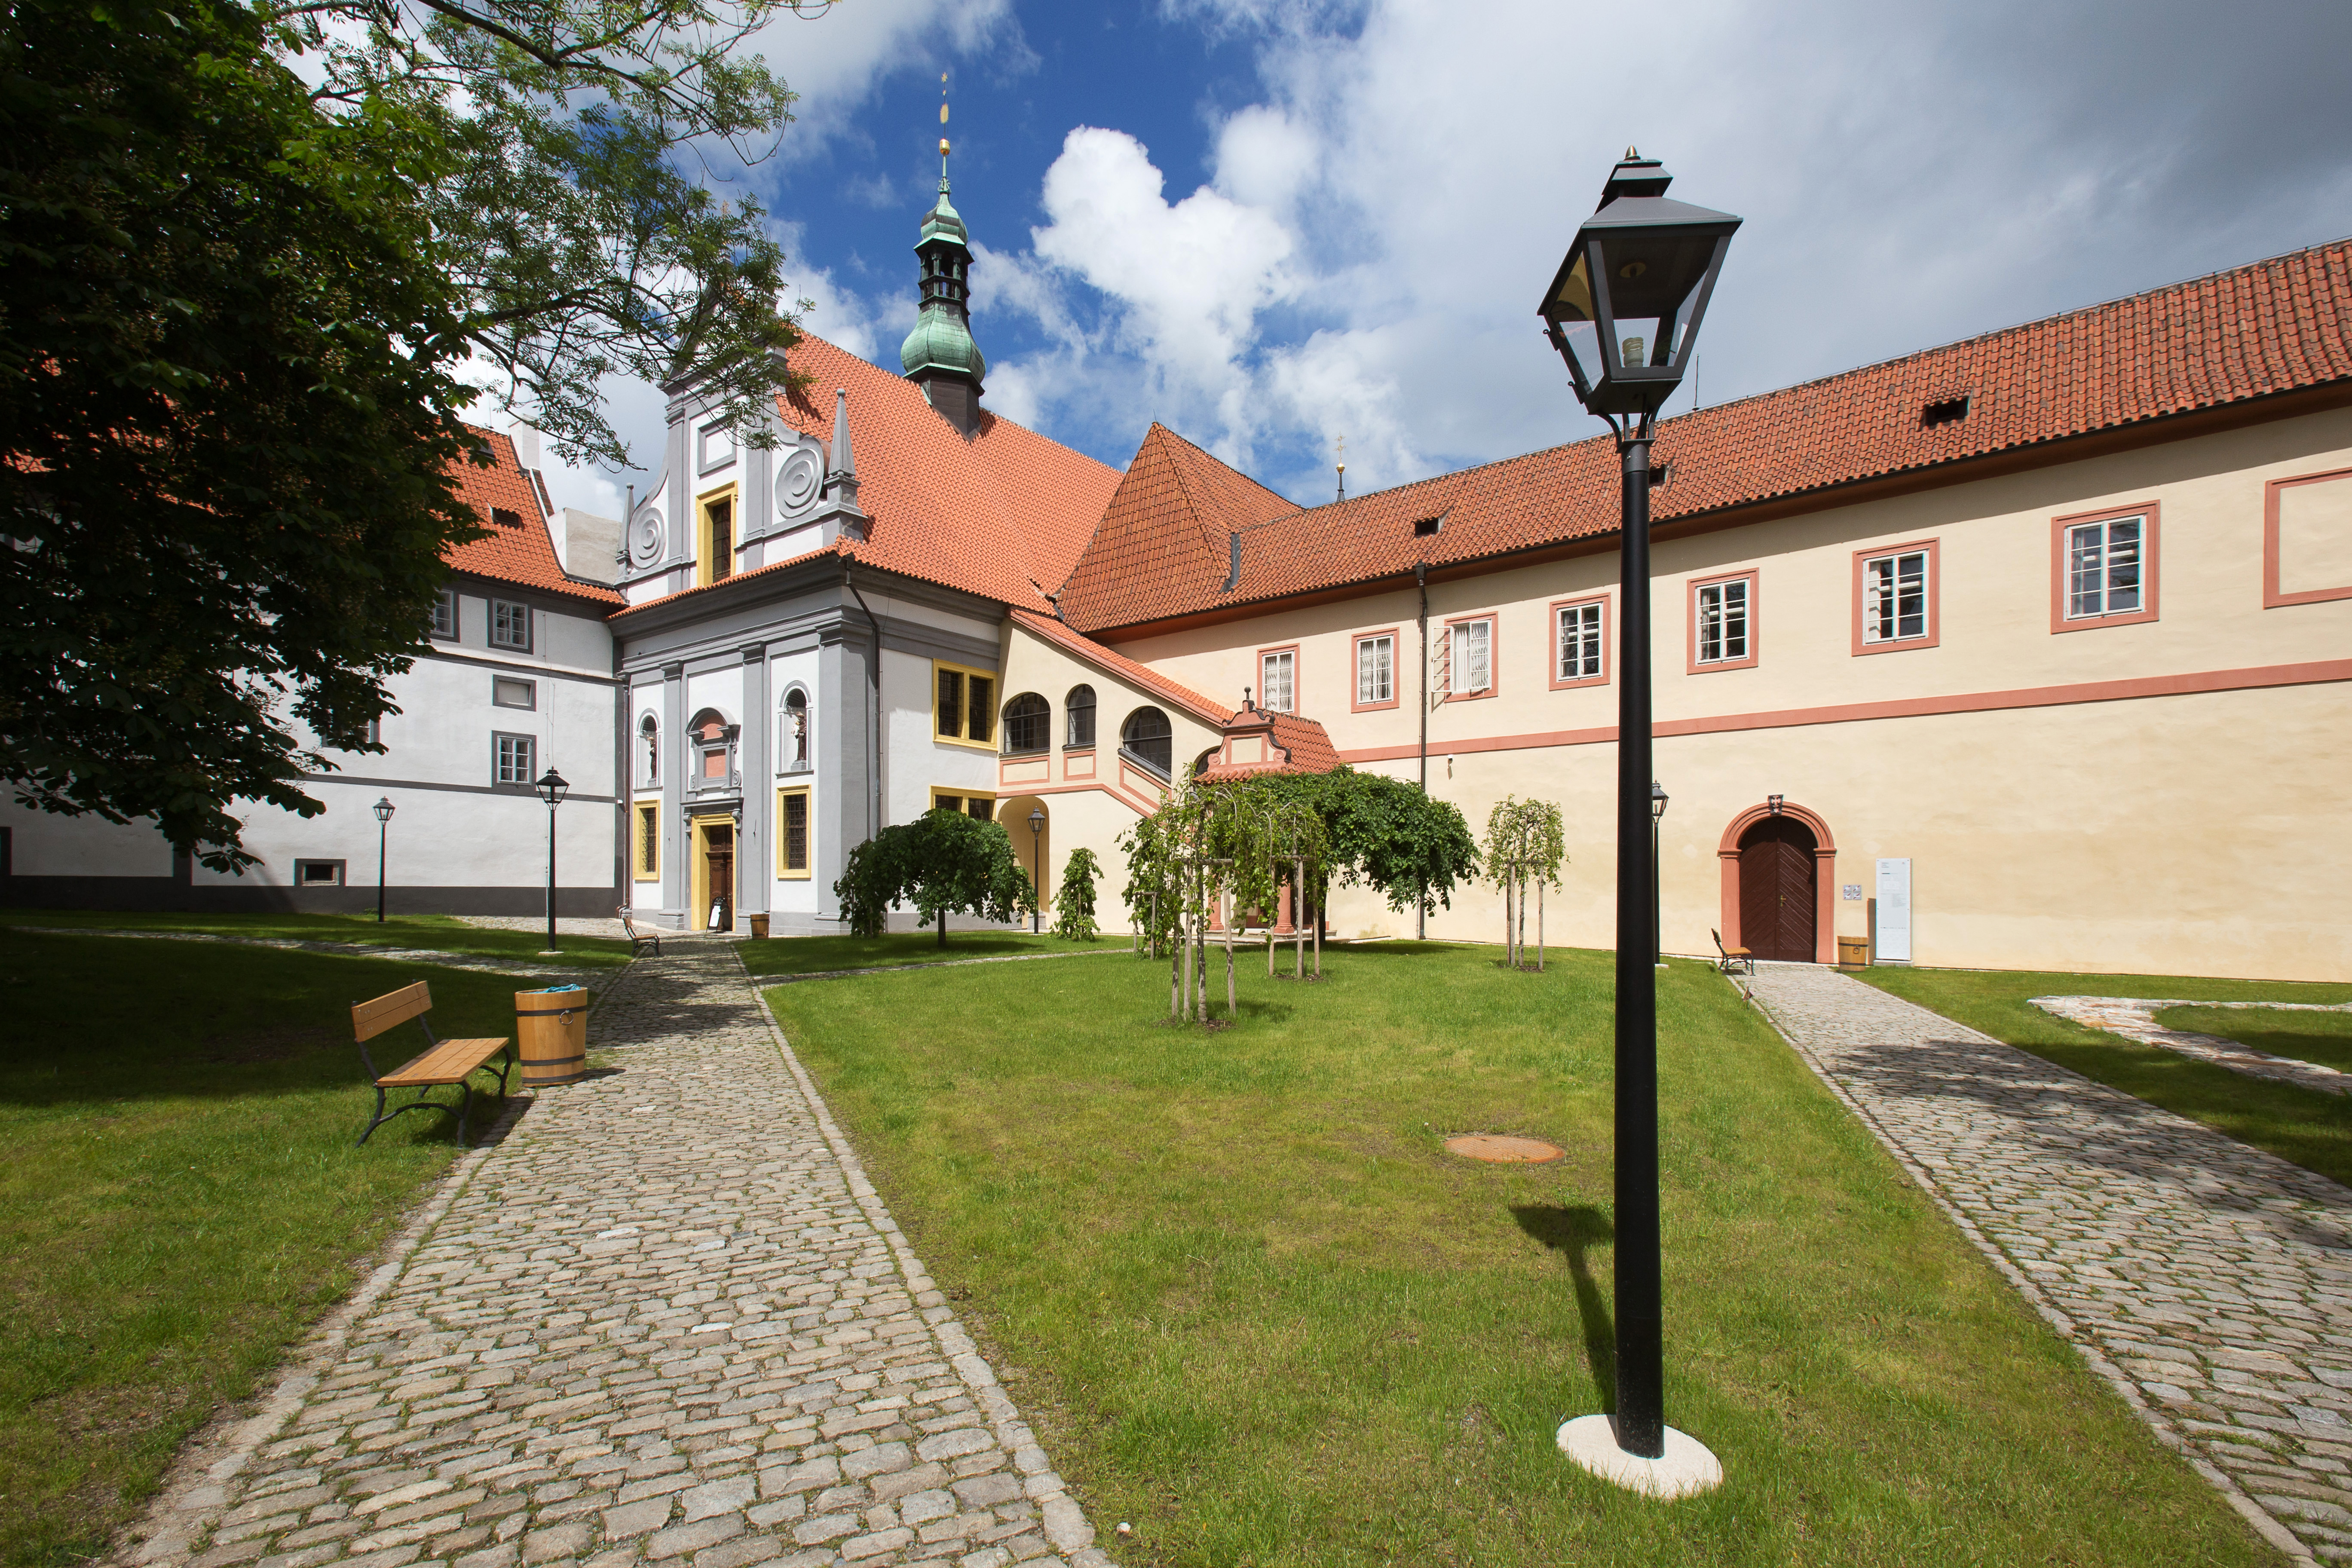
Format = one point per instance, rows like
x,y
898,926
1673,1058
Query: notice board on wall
x,y
1894,933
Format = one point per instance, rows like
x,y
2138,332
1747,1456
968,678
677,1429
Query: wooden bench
x,y
443,1061
638,940
1731,960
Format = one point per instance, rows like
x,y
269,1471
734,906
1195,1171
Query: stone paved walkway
x,y
664,1318
484,963
2134,1017
2210,1282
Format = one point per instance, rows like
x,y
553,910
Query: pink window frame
x,y
2271,598
1552,652
1356,641
1494,655
1296,705
1935,595
2150,555
1691,586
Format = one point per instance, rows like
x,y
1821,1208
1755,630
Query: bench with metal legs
x,y
638,940
443,1062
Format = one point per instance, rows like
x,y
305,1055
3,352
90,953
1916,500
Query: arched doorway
x,y
1778,898
1034,850
1780,874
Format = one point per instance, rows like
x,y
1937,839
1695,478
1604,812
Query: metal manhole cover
x,y
1502,1150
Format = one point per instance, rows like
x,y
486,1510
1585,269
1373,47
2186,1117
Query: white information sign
x,y
1894,911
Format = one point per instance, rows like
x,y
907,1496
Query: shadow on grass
x,y
1572,1231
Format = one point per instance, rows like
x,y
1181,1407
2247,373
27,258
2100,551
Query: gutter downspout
x,y
1421,580
873,797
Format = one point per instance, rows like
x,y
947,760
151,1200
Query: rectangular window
x,y
982,807
510,626
444,614
720,517
1722,623
2102,566
1376,671
515,755
1470,657
1894,591
508,692
793,833
1279,681
375,732
1580,643
647,821
963,705
318,873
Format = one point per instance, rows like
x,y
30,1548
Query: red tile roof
x,y
1136,675
1306,747
521,552
2275,326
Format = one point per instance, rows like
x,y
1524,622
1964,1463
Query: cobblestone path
x,y
2210,1282
664,1319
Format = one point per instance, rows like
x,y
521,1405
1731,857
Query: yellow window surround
x,y
645,818
963,706
794,828
714,548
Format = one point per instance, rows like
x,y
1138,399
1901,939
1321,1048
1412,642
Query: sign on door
x,y
1894,911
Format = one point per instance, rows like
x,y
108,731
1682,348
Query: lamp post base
x,y
1685,1469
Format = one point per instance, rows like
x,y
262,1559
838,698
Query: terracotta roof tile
x,y
2275,326
521,552
1306,747
1136,675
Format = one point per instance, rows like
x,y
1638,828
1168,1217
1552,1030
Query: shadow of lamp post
x,y
1624,311
384,809
552,789
1657,920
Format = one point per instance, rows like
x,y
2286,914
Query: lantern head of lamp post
x,y
1624,308
1657,800
382,808
552,788
1036,821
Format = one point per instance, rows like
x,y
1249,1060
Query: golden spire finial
x,y
943,119
1633,154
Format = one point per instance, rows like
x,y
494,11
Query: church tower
x,y
938,355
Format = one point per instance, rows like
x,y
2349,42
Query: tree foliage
x,y
1073,904
1526,845
1385,834
942,863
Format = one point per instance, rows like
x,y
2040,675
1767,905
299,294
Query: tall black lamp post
x,y
1036,871
1623,310
382,809
1657,928
552,789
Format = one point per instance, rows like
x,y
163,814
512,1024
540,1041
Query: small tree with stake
x,y
1525,844
943,863
1074,911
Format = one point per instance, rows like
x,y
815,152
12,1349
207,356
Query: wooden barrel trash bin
x,y
1854,952
551,1032
758,928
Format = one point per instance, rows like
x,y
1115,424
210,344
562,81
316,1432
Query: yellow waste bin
x,y
552,1031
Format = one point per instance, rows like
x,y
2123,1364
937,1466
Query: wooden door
x,y
719,854
1777,895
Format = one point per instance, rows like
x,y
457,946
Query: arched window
x,y
1080,706
793,733
710,746
1028,723
1147,738
649,747
1200,763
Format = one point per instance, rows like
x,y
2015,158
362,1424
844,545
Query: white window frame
x,y
1376,669
1592,640
1458,670
1733,605
504,747
444,614
505,616
1278,663
501,684
1884,576
2100,600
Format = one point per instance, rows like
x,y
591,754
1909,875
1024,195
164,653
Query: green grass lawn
x,y
817,954
179,1196
2322,1038
1258,1312
442,933
2307,1127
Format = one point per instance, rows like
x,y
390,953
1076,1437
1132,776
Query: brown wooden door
x,y
722,875
1778,897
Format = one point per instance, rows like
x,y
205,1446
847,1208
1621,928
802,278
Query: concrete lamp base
x,y
1685,1469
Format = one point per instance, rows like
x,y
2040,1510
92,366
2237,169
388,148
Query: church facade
x,y
2029,651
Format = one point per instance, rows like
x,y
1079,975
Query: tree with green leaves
x,y
942,863
1525,844
239,297
1073,904
1385,834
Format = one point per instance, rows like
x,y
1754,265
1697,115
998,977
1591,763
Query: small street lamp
x,y
1036,848
384,809
1624,311
1657,810
552,789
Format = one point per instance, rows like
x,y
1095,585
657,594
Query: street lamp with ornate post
x,y
384,810
1036,883
1623,310
552,789
1657,927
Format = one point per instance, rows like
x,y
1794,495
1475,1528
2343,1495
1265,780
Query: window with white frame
x,y
2104,561
515,755
1278,676
507,691
1722,610
445,613
1375,670
509,625
1579,631
1895,596
1470,657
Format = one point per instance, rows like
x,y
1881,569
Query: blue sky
x,y
1271,223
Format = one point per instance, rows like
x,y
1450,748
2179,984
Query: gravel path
x,y
664,1319
2210,1282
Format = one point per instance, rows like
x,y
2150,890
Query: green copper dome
x,y
941,341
